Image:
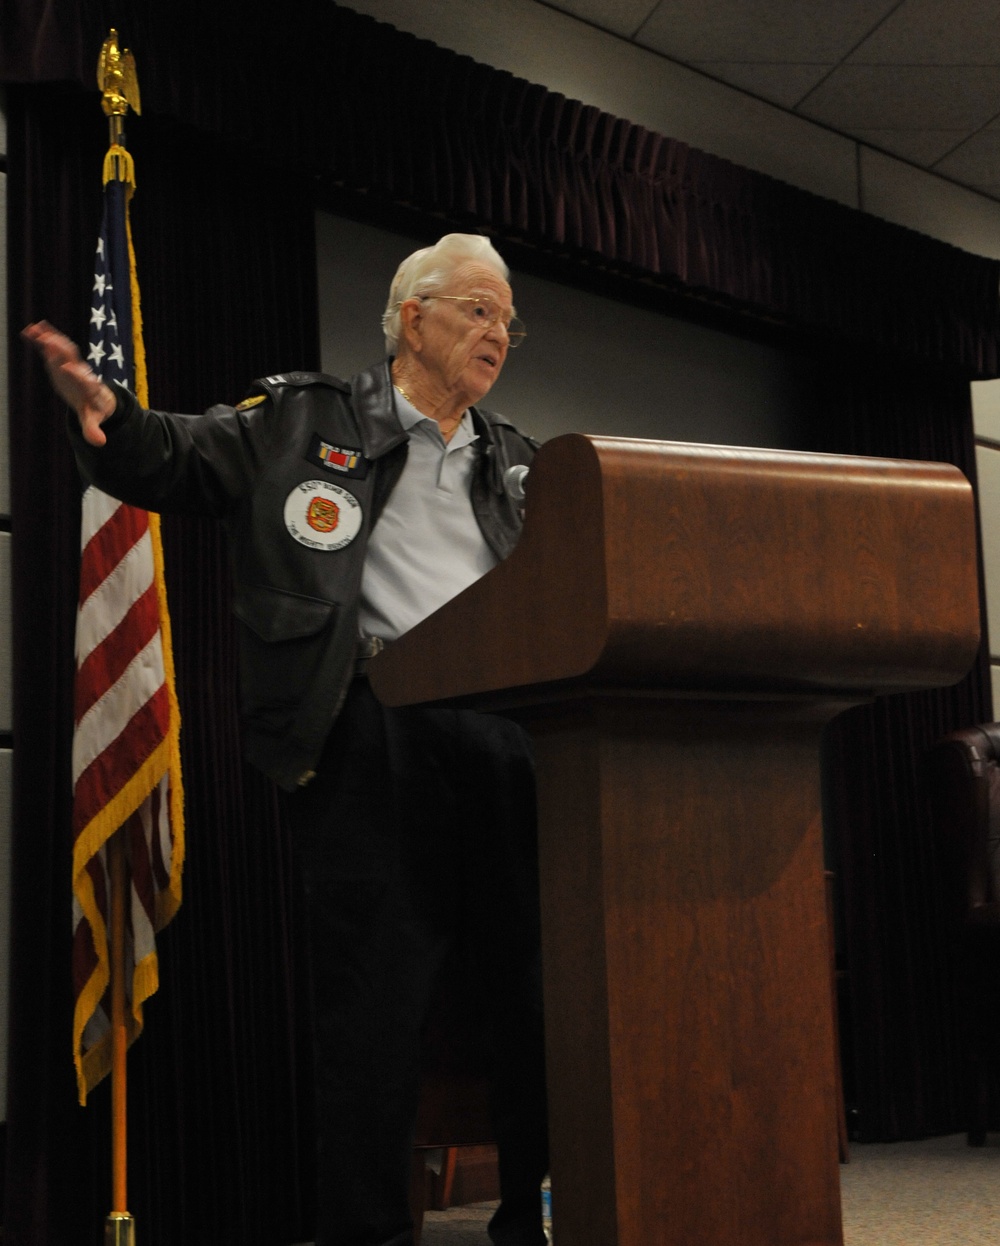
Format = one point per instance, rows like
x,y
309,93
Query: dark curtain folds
x,y
247,124
900,1022
219,1132
380,113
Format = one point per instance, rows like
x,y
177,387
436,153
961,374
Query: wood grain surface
x,y
710,569
674,628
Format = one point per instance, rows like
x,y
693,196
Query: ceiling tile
x,y
930,32
784,85
916,79
976,162
621,17
920,147
799,31
857,97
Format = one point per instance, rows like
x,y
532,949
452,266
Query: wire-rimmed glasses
x,y
486,312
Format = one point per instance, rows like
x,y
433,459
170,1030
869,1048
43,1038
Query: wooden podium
x,y
675,627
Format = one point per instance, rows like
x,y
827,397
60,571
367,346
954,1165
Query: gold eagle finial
x,y
117,79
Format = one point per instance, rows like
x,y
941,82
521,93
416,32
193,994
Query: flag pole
x,y
119,1227
119,90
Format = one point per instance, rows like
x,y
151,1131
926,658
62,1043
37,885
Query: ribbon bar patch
x,y
340,459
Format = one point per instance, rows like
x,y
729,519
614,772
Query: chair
x,y
454,1114
454,1110
963,777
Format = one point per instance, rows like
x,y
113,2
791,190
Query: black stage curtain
x,y
358,105
900,1036
217,1094
245,128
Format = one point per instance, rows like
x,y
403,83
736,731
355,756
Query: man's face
x,y
458,346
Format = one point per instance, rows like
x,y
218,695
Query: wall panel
x,y
4,414
5,644
590,364
988,469
5,839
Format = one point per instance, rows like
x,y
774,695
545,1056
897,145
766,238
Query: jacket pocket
x,y
283,641
274,615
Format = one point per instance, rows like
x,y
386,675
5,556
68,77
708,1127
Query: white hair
x,y
430,269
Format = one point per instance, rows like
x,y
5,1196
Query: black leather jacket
x,y
295,598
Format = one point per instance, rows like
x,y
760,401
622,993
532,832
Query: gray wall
x,y
589,364
5,645
986,421
550,47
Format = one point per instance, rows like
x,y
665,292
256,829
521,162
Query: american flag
x,y
126,760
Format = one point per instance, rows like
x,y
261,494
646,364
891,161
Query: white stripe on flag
x,y
96,509
108,717
111,600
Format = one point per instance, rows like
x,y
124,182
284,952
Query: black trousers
x,y
418,830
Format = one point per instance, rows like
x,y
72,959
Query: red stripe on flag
x,y
107,662
111,769
141,764
109,545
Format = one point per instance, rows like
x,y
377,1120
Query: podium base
x,y
119,1229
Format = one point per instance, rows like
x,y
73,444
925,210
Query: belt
x,y
368,647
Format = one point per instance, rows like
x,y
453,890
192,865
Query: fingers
x,y
90,425
53,346
73,379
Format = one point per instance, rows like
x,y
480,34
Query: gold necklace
x,y
453,419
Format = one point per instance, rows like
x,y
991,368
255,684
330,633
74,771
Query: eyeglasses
x,y
485,312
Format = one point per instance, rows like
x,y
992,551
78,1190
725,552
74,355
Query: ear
x,y
411,316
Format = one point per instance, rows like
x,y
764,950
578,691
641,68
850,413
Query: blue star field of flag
x,y
110,334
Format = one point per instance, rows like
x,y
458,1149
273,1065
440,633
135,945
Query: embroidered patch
x,y
322,516
340,459
247,403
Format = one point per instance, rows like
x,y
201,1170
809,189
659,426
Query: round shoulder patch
x,y
322,516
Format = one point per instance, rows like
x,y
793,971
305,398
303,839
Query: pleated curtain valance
x,y
360,105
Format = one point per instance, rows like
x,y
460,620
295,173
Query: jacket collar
x,y
375,410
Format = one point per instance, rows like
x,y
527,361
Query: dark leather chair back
x,y
964,785
963,782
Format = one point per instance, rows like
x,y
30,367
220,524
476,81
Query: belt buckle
x,y
368,647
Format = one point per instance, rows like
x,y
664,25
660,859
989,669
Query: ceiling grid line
x,y
860,43
917,80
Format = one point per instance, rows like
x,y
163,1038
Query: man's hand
x,y
73,379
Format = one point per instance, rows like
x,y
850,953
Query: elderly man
x,y
354,510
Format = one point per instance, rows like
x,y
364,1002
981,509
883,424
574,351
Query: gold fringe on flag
x,y
165,758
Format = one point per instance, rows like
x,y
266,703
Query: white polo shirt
x,y
426,546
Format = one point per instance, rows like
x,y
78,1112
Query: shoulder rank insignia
x,y
254,401
340,459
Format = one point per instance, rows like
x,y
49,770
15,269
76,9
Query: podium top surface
x,y
705,569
